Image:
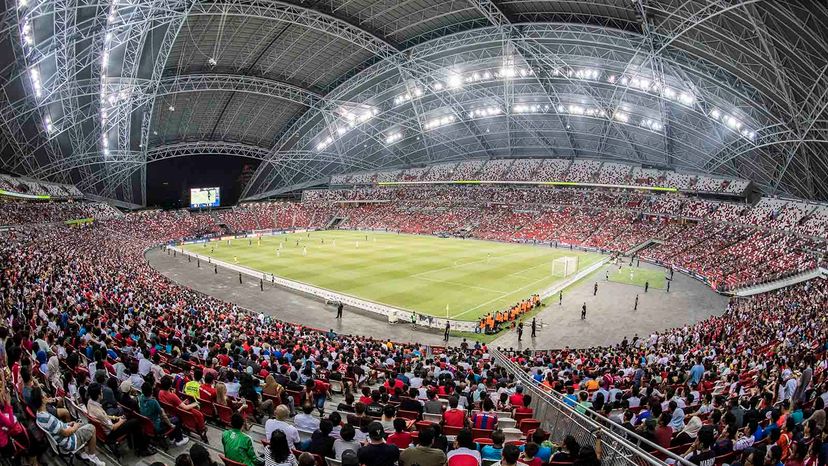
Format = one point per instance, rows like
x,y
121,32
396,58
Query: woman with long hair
x,y
279,453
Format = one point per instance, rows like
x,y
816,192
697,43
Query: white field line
x,y
456,316
503,293
449,267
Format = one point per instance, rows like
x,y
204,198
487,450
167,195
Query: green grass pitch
x,y
639,277
420,273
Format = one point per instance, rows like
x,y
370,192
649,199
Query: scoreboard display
x,y
204,197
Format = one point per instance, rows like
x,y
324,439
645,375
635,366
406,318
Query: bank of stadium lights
x,y
651,124
403,98
485,112
438,122
351,119
36,84
620,116
47,123
733,123
323,144
26,33
530,108
393,137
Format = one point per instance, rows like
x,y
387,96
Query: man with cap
x,y
423,454
350,458
377,452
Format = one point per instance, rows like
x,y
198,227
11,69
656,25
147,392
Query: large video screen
x,y
204,197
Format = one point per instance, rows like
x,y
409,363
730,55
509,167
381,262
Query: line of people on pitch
x,y
494,322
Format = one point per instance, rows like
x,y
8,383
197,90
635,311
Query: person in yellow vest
x,y
193,387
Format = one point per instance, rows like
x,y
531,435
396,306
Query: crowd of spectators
x,y
749,385
23,212
89,322
544,170
39,188
91,331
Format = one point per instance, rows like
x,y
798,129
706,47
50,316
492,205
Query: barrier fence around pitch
x,y
620,446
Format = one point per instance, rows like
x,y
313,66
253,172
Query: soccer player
x,y
583,312
304,251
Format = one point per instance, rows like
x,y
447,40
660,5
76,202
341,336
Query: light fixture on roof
x,y
172,108
438,122
651,124
393,137
454,81
35,76
211,62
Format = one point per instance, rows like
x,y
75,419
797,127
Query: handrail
x,y
618,439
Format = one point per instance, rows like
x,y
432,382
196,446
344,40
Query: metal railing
x,y
620,447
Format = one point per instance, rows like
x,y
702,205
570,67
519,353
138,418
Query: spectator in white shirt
x,y
279,423
305,420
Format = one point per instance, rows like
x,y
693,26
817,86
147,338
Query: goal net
x,y
564,266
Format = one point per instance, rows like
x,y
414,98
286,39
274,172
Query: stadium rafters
x,y
93,92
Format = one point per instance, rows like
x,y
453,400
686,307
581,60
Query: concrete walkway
x,y
610,314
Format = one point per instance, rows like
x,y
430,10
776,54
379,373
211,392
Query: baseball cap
x,y
375,431
349,458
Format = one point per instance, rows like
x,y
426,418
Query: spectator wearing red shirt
x,y
454,417
390,384
485,419
207,391
517,398
524,408
400,438
366,396
317,391
465,451
168,396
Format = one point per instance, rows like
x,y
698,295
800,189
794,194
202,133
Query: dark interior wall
x,y
169,181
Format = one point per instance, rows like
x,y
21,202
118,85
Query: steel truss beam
x,y
688,42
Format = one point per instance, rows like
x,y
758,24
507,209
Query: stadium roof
x,y
94,91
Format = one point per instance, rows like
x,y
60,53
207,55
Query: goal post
x,y
564,266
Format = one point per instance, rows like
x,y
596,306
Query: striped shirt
x,y
53,426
